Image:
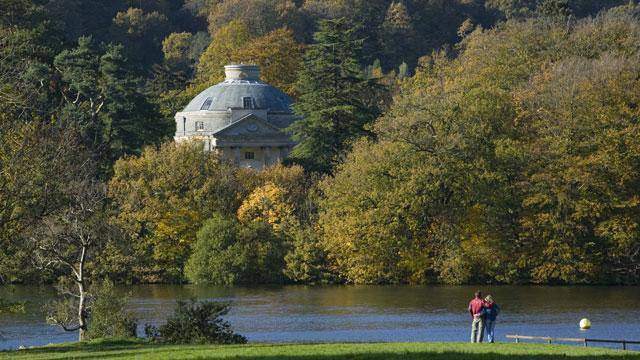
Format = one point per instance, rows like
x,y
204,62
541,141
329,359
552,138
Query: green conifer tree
x,y
101,95
335,101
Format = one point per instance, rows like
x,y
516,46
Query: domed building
x,y
242,118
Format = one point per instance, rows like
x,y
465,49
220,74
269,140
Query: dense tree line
x,y
514,162
441,142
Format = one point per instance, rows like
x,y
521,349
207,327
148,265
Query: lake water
x,y
361,313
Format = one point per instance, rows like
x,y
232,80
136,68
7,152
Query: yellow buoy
x,y
585,324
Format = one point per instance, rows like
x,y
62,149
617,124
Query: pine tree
x,y
335,99
101,97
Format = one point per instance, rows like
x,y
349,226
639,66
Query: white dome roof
x,y
242,82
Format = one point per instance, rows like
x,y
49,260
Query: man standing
x,y
476,309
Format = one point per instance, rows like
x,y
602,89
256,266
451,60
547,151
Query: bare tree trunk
x,y
82,309
82,313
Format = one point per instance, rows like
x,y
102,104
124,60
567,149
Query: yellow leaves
x,y
267,204
162,197
277,53
222,50
279,57
175,46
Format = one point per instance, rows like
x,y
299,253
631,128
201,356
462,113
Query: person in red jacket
x,y
476,309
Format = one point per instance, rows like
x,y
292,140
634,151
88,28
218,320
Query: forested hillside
x,y
442,141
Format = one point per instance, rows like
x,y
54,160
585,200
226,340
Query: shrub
x,y
196,322
227,253
109,317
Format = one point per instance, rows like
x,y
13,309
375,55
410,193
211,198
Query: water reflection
x,y
360,313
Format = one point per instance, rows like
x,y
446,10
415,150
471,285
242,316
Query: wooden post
x,y
624,345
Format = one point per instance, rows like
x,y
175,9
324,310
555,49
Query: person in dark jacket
x,y
491,311
476,309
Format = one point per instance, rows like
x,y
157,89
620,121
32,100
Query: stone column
x,y
276,155
236,154
284,151
267,155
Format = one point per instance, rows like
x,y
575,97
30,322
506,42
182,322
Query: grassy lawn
x,y
124,349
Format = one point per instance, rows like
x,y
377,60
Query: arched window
x,y
206,104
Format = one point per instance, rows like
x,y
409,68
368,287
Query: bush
x,y
109,317
196,322
227,253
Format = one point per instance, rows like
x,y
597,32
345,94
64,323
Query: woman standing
x,y
491,314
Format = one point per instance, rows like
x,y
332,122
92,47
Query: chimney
x,y
242,72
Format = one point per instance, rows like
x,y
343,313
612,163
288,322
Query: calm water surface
x,y
360,313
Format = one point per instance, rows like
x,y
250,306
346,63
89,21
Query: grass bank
x,y
124,349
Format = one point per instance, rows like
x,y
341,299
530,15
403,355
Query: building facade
x,y
241,118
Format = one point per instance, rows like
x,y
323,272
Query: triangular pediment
x,y
250,126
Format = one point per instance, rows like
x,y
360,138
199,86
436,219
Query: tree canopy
x,y
489,141
333,102
509,163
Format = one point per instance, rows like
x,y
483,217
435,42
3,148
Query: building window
x,y
247,102
249,156
199,125
206,104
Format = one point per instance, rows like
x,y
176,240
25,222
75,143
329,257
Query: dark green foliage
x,y
228,253
141,32
197,322
21,13
335,99
554,8
108,315
102,97
166,77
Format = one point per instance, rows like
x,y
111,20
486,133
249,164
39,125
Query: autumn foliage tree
x,y
161,199
514,162
277,53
